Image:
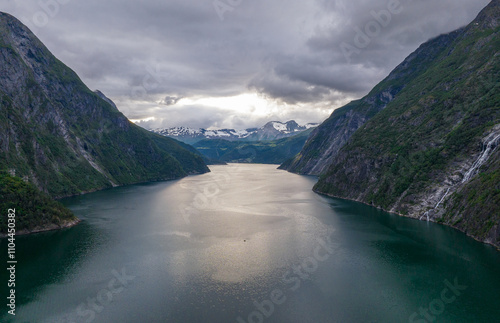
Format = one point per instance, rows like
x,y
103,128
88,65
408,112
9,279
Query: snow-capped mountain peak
x,y
270,131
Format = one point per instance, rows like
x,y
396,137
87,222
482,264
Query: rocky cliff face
x,y
66,139
326,140
432,152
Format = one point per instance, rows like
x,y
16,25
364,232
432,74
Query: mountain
x,y
262,152
64,138
328,138
208,160
429,148
270,131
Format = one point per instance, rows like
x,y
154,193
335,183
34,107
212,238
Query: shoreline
x,y
57,198
50,227
76,221
409,217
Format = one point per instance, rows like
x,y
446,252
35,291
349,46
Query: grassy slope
x,y
46,122
51,125
438,120
333,133
33,208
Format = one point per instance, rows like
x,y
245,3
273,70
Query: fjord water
x,y
221,247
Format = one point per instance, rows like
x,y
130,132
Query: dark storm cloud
x,y
147,55
170,100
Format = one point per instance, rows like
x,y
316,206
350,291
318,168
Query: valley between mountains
x,y
423,143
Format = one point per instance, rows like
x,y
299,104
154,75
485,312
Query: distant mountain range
x,y
270,131
260,152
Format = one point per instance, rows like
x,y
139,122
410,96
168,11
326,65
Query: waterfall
x,y
489,145
442,199
425,214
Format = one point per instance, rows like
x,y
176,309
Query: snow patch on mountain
x,y
270,131
280,126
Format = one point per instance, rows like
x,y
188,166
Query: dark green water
x,y
248,243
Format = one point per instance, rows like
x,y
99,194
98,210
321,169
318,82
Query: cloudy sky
x,y
236,63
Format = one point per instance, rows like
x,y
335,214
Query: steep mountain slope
x,y
263,152
270,131
66,139
327,139
432,153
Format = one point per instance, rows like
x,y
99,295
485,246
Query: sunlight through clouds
x,y
175,63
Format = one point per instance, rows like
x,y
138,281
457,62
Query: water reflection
x,y
208,248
